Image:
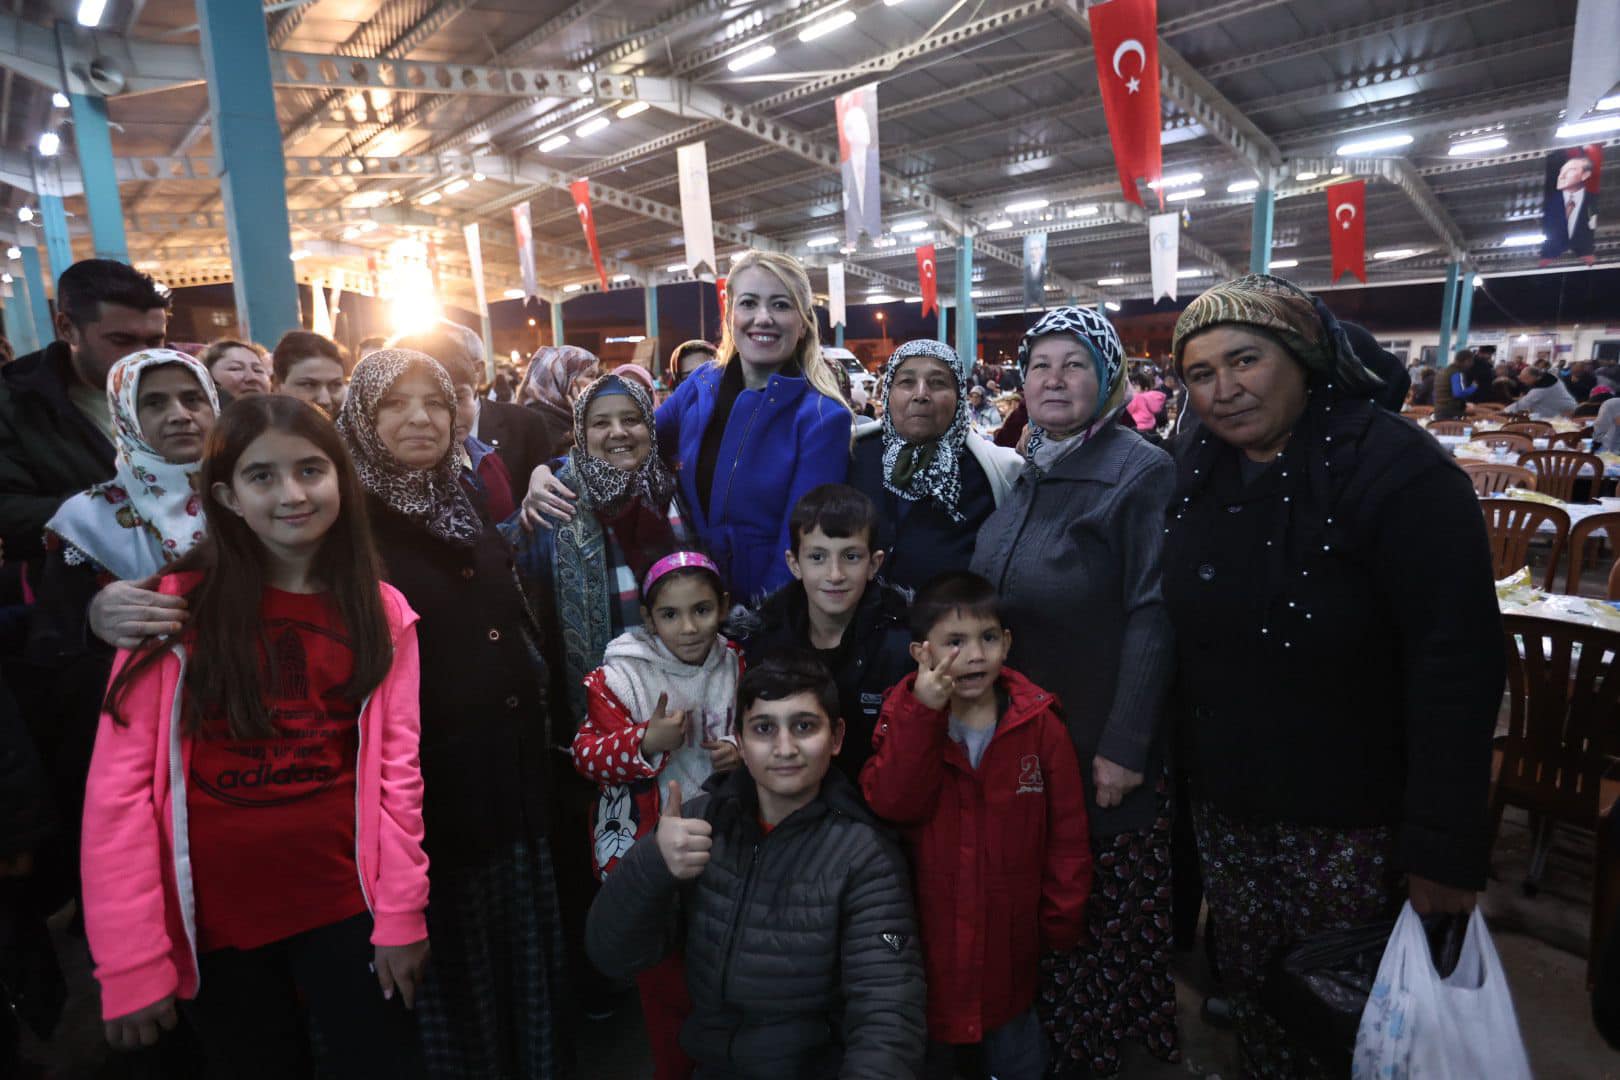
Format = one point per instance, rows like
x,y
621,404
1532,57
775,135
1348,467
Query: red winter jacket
x,y
1001,854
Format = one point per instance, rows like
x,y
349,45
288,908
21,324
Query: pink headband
x,y
680,560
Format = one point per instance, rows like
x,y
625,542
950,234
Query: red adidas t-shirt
x,y
273,820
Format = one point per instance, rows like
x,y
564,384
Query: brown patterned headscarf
x,y
552,370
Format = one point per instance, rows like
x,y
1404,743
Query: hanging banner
x,y
337,304
581,190
1035,271
475,259
720,291
1164,248
835,294
1347,227
1594,63
858,162
525,247
692,169
1124,36
320,319
1569,203
928,278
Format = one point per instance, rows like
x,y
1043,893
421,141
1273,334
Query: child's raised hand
x,y
400,967
666,731
143,1027
935,681
723,754
683,842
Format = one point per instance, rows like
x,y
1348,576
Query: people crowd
x,y
390,716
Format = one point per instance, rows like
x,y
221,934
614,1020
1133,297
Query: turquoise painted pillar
x,y
58,246
93,144
1265,212
556,321
838,335
19,318
37,304
253,173
1467,309
649,306
967,330
944,313
1448,313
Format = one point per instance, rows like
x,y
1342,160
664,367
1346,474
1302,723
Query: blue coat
x,y
779,443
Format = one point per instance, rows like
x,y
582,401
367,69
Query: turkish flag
x,y
928,277
1124,37
581,190
1347,226
720,291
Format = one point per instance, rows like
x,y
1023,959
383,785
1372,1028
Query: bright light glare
x,y
59,100
592,126
456,187
1237,186
676,268
620,277
880,298
1374,144
635,108
1610,102
1184,194
1003,223
1395,253
1026,206
1176,180
1111,305
1476,146
910,225
1523,240
573,288
752,57
1089,210
821,241
1595,126
90,12
513,294
826,26
25,214
1184,274
1283,264
553,143
430,198
1106,281
49,143
13,252
1306,175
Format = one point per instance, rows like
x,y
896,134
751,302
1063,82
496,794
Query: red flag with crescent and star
x,y
720,291
581,190
928,278
1125,39
1347,205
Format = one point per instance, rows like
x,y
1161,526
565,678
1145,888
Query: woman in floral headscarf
x,y
1074,553
933,480
557,374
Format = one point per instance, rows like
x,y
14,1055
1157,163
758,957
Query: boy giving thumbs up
x,y
791,899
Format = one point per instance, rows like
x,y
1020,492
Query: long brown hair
x,y
226,676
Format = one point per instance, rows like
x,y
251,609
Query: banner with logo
x,y
692,169
928,278
475,259
1035,271
835,294
320,320
1164,247
858,162
1125,39
581,190
1347,228
525,247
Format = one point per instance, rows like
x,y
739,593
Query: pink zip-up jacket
x,y
139,910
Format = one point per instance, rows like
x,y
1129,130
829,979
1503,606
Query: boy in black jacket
x,y
839,609
799,934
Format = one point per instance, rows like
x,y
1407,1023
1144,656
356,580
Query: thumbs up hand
x,y
683,842
665,731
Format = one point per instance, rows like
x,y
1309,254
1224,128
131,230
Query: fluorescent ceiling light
x,y
1595,126
573,288
592,126
1476,146
880,298
1089,210
1283,264
456,187
620,277
1306,175
59,100
1026,206
976,293
893,3
920,237
1337,170
6,279
1479,281
1184,274
910,225
1111,305
635,108
1374,144
827,25
1000,223
1237,186
752,57
1176,180
912,299
429,199
13,252
299,254
479,177
1610,102
676,268
1111,281
553,143
513,294
1523,240
1395,253
583,84
820,241
25,214
90,12
1184,194
49,143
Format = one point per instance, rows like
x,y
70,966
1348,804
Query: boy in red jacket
x,y
973,761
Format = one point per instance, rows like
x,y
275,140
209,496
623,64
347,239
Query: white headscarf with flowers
x,y
149,513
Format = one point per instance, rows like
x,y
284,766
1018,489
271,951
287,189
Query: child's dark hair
x,y
783,674
649,596
951,593
226,677
838,510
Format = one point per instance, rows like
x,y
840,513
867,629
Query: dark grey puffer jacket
x,y
801,946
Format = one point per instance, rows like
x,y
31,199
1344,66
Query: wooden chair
x,y
1418,412
1448,427
1491,478
1571,439
1513,443
1563,723
1614,580
1511,524
1584,533
1487,407
1557,471
1536,429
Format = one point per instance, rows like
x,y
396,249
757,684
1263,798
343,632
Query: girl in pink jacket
x,y
253,819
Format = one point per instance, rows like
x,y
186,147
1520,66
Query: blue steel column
x,y
253,173
1265,212
20,318
93,144
556,320
838,335
1467,308
58,245
37,304
1448,314
649,306
967,330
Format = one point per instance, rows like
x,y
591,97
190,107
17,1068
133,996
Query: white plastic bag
x,y
1418,1026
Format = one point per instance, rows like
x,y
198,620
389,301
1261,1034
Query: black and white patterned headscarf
x,y
432,497
608,487
1098,335
933,470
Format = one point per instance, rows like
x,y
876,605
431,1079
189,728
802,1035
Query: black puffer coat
x,y
801,946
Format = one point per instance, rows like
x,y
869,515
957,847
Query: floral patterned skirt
x,y
1270,885
1117,985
